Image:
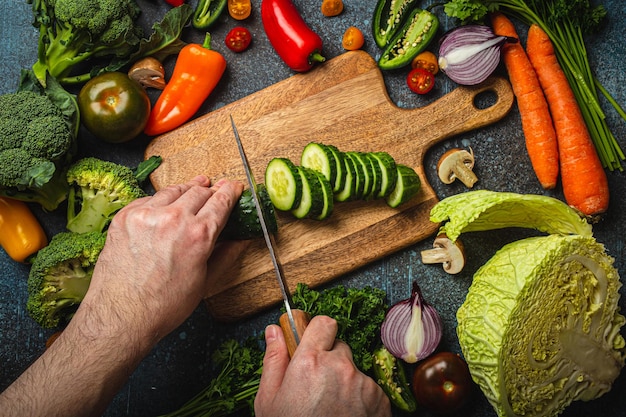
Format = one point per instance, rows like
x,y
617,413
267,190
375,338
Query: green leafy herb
x,y
566,22
359,314
235,386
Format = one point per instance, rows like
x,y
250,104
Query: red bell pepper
x,y
296,44
175,3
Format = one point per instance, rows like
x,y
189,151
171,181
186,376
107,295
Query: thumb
x,y
275,364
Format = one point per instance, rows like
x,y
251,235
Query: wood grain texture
x,y
342,102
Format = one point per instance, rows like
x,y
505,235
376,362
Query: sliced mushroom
x,y
149,72
457,163
445,251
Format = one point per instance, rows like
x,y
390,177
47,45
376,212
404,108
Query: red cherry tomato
x,y
442,383
238,39
420,81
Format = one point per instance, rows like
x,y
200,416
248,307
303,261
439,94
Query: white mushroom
x,y
445,251
457,163
149,72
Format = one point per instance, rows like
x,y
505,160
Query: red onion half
x,y
469,54
412,328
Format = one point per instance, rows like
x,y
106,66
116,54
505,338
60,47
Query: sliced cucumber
x,y
366,173
320,158
359,175
328,197
283,183
346,193
376,177
408,184
340,178
389,173
312,201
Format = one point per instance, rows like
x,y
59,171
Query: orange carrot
x,y
541,142
584,181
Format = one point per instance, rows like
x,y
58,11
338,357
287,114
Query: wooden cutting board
x,y
343,102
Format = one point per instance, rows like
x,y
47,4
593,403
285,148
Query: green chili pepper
x,y
416,34
207,12
388,18
389,373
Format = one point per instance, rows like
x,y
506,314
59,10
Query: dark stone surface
x,y
179,366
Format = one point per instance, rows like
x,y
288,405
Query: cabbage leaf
x,y
540,326
489,210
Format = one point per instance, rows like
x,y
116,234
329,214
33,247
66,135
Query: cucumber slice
x,y
312,201
328,198
376,177
340,178
283,183
346,193
407,186
366,173
320,158
389,173
359,175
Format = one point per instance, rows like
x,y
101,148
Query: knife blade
x,y
293,321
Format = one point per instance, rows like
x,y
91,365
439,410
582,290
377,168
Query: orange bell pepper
x,y
197,71
21,235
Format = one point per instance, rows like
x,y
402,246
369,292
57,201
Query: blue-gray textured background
x,y
179,366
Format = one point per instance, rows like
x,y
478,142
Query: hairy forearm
x,y
79,374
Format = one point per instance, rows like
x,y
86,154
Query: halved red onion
x,y
469,54
412,328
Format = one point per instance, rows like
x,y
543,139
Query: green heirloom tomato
x,y
114,107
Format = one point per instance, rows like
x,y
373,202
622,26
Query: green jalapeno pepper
x,y
388,18
416,34
390,375
207,12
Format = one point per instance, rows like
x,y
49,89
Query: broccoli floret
x,y
99,189
19,168
60,276
12,133
26,106
37,142
47,137
73,31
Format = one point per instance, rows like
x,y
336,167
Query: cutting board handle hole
x,y
485,99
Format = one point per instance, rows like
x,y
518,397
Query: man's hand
x,y
320,380
153,270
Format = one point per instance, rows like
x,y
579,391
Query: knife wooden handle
x,y
301,320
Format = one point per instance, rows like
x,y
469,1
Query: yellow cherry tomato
x,y
426,60
332,7
352,39
239,9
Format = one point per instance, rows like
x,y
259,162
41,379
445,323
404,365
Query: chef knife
x,y
293,321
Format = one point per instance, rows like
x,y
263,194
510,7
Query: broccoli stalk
x,y
60,276
99,189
